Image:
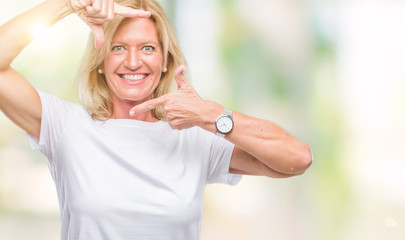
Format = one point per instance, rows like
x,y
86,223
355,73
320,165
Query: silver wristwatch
x,y
224,123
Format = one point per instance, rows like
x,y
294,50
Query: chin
x,y
134,96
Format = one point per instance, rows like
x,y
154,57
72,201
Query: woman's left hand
x,y
184,108
261,147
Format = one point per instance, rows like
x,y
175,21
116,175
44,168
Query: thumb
x,y
179,76
98,34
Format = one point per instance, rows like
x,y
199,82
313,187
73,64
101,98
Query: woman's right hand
x,y
96,12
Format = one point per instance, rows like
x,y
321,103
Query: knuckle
x,y
103,15
173,122
90,20
165,98
96,9
166,108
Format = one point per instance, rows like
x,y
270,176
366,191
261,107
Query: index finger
x,y
130,12
146,106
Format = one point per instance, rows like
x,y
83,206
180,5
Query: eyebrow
x,y
138,43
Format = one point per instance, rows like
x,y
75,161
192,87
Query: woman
x,y
134,162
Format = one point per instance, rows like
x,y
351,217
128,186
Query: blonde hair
x,y
93,89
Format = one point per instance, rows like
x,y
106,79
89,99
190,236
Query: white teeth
x,y
136,77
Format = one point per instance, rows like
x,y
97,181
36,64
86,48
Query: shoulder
x,y
57,113
56,104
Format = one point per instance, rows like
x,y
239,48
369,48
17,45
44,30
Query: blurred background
x,y
330,72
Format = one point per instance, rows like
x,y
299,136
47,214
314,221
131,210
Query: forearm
x,y
17,33
262,144
270,144
265,141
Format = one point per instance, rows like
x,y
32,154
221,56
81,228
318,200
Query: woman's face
x,y
134,65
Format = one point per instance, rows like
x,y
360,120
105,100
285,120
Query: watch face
x,y
224,124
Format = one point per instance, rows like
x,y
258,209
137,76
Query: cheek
x,y
155,62
111,62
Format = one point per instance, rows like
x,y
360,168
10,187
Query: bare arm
x,y
261,147
18,99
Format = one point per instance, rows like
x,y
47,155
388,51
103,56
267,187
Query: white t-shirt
x,y
125,179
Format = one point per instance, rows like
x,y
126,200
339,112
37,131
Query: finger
x,y
96,21
146,106
179,76
130,12
104,9
90,11
95,8
110,9
98,34
82,3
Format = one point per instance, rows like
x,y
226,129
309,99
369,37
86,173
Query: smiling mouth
x,y
133,77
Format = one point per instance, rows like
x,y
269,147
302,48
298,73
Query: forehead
x,y
136,29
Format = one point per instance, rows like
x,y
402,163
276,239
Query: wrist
x,y
224,123
213,110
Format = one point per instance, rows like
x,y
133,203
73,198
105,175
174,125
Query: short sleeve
x,y
220,159
55,116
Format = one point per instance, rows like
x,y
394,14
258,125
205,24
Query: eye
x,y
118,48
148,48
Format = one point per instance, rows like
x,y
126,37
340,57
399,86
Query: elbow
x,y
301,160
304,159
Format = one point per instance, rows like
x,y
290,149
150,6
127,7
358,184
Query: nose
x,y
133,60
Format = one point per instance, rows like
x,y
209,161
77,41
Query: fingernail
x,y
131,113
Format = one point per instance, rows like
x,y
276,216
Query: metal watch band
x,y
227,112
220,134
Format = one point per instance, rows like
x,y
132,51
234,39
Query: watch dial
x,y
224,124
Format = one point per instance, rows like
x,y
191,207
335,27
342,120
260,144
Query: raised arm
x,y
18,99
261,147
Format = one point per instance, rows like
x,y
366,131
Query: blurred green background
x,y
330,72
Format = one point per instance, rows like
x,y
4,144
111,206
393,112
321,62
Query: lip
x,y
137,82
